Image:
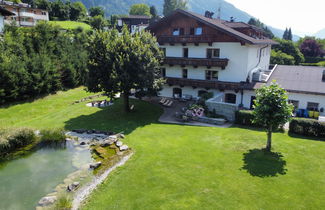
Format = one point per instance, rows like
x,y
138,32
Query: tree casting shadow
x,y
261,163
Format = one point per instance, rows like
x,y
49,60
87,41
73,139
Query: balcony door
x,y
177,92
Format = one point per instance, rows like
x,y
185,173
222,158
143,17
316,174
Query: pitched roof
x,y
5,12
218,24
298,79
136,17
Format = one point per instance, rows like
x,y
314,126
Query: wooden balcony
x,y
184,39
209,84
196,62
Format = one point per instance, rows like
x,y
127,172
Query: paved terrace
x,y
169,113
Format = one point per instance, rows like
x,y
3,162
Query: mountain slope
x,y
199,6
320,34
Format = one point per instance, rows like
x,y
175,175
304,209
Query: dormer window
x,y
178,31
198,31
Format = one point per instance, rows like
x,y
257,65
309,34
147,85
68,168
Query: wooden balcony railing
x,y
196,62
184,39
208,84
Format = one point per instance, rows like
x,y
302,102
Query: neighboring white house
x,y
230,59
3,13
24,14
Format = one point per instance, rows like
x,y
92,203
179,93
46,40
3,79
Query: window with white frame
x,y
198,31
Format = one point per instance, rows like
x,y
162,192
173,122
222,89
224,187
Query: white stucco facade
x,y
242,59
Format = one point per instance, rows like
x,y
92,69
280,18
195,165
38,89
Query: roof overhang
x,y
230,31
5,12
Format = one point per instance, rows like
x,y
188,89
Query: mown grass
x,y
71,25
185,167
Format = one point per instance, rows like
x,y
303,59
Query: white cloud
x,y
304,17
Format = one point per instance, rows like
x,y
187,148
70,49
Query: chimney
x,y
208,14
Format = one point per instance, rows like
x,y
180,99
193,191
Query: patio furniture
x,y
166,102
163,100
170,104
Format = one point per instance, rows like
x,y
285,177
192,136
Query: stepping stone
x,y
46,201
95,165
124,147
118,143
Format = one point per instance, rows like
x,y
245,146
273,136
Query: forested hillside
x,y
200,6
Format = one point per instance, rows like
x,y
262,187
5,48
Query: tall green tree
x,y
120,63
171,5
95,11
281,58
288,47
98,22
271,109
140,9
60,10
77,11
287,35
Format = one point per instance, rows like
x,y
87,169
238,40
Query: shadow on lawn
x,y
113,118
259,162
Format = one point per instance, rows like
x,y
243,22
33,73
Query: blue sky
x,y
305,17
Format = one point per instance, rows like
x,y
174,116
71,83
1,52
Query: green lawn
x,y
184,167
71,24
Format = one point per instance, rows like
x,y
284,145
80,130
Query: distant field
x,y
71,24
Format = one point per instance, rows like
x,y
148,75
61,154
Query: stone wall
x,y
225,109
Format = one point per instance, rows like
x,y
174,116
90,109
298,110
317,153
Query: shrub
x,y
52,136
244,117
13,139
64,202
307,127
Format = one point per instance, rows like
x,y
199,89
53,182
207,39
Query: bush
x,y
244,117
313,59
11,140
307,127
52,136
64,202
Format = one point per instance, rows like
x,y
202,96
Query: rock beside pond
x,y
121,135
73,186
119,143
48,200
124,147
113,138
107,143
95,165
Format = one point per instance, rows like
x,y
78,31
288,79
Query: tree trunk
x,y
269,139
126,101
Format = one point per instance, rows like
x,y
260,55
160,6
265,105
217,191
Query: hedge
x,y
244,117
313,59
307,127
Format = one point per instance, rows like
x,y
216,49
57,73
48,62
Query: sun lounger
x,y
170,104
162,101
166,102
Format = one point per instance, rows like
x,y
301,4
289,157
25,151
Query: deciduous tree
x,y
120,63
140,9
271,109
171,5
95,11
310,47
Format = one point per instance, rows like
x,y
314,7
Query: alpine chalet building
x,y
230,59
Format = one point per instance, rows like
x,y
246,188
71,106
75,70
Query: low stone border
x,y
85,191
